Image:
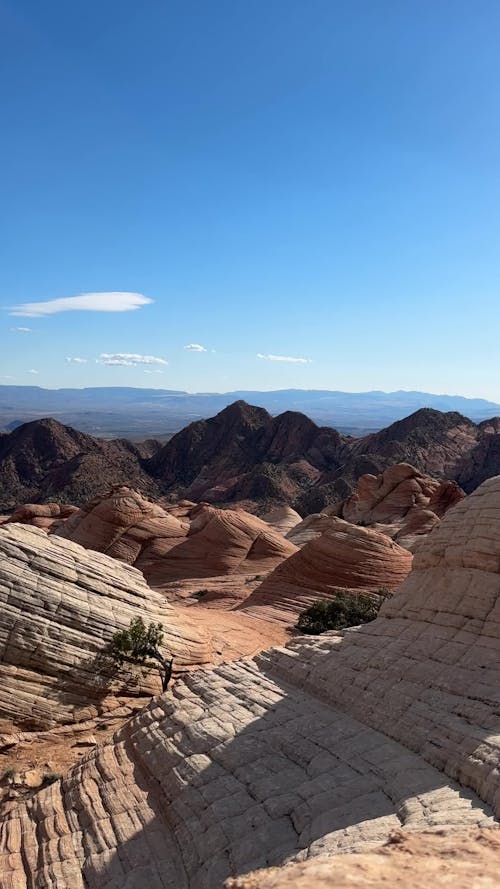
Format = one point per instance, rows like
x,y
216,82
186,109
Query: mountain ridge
x,y
117,412
243,455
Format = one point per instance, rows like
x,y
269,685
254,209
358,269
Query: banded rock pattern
x,y
344,556
321,747
187,541
401,501
233,771
60,605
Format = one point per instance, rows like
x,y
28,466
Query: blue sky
x,y
316,180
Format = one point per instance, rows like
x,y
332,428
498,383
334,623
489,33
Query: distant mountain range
x,y
112,412
242,455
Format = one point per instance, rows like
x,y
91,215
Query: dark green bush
x,y
347,609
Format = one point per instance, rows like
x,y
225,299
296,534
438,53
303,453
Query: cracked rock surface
x,y
322,747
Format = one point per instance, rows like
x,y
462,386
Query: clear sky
x,y
316,180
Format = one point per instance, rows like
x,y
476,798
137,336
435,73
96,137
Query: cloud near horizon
x,y
195,347
21,329
112,301
77,360
284,358
127,359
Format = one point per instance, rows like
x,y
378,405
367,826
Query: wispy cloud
x,y
77,360
114,301
32,371
128,359
195,347
153,371
21,329
284,358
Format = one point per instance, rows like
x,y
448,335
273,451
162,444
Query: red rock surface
x,y
221,541
401,502
40,515
345,556
188,541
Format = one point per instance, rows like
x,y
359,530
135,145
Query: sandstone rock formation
x,y
61,605
220,542
456,860
401,502
124,524
327,745
187,541
282,519
310,528
40,515
344,556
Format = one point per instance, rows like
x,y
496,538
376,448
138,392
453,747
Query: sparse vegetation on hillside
x,y
140,645
347,609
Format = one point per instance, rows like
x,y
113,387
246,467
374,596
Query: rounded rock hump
x,y
60,606
222,541
124,524
282,519
345,556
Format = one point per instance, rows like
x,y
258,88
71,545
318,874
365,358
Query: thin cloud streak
x,y
77,360
21,329
287,358
127,359
195,347
112,301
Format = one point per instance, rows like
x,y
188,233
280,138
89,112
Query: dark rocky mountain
x,y
44,460
242,455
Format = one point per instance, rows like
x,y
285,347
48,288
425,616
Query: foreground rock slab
x,y
234,771
60,605
327,745
464,860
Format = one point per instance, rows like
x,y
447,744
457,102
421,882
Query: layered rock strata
x,y
345,556
324,746
188,541
60,605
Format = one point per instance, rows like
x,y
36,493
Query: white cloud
x,y
76,360
153,371
128,359
32,371
114,301
21,329
284,358
195,347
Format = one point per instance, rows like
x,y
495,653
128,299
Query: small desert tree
x,y
140,645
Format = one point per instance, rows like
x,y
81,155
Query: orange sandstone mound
x,y
401,501
345,556
177,543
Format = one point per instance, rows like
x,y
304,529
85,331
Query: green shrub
x,y
50,778
347,609
140,645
